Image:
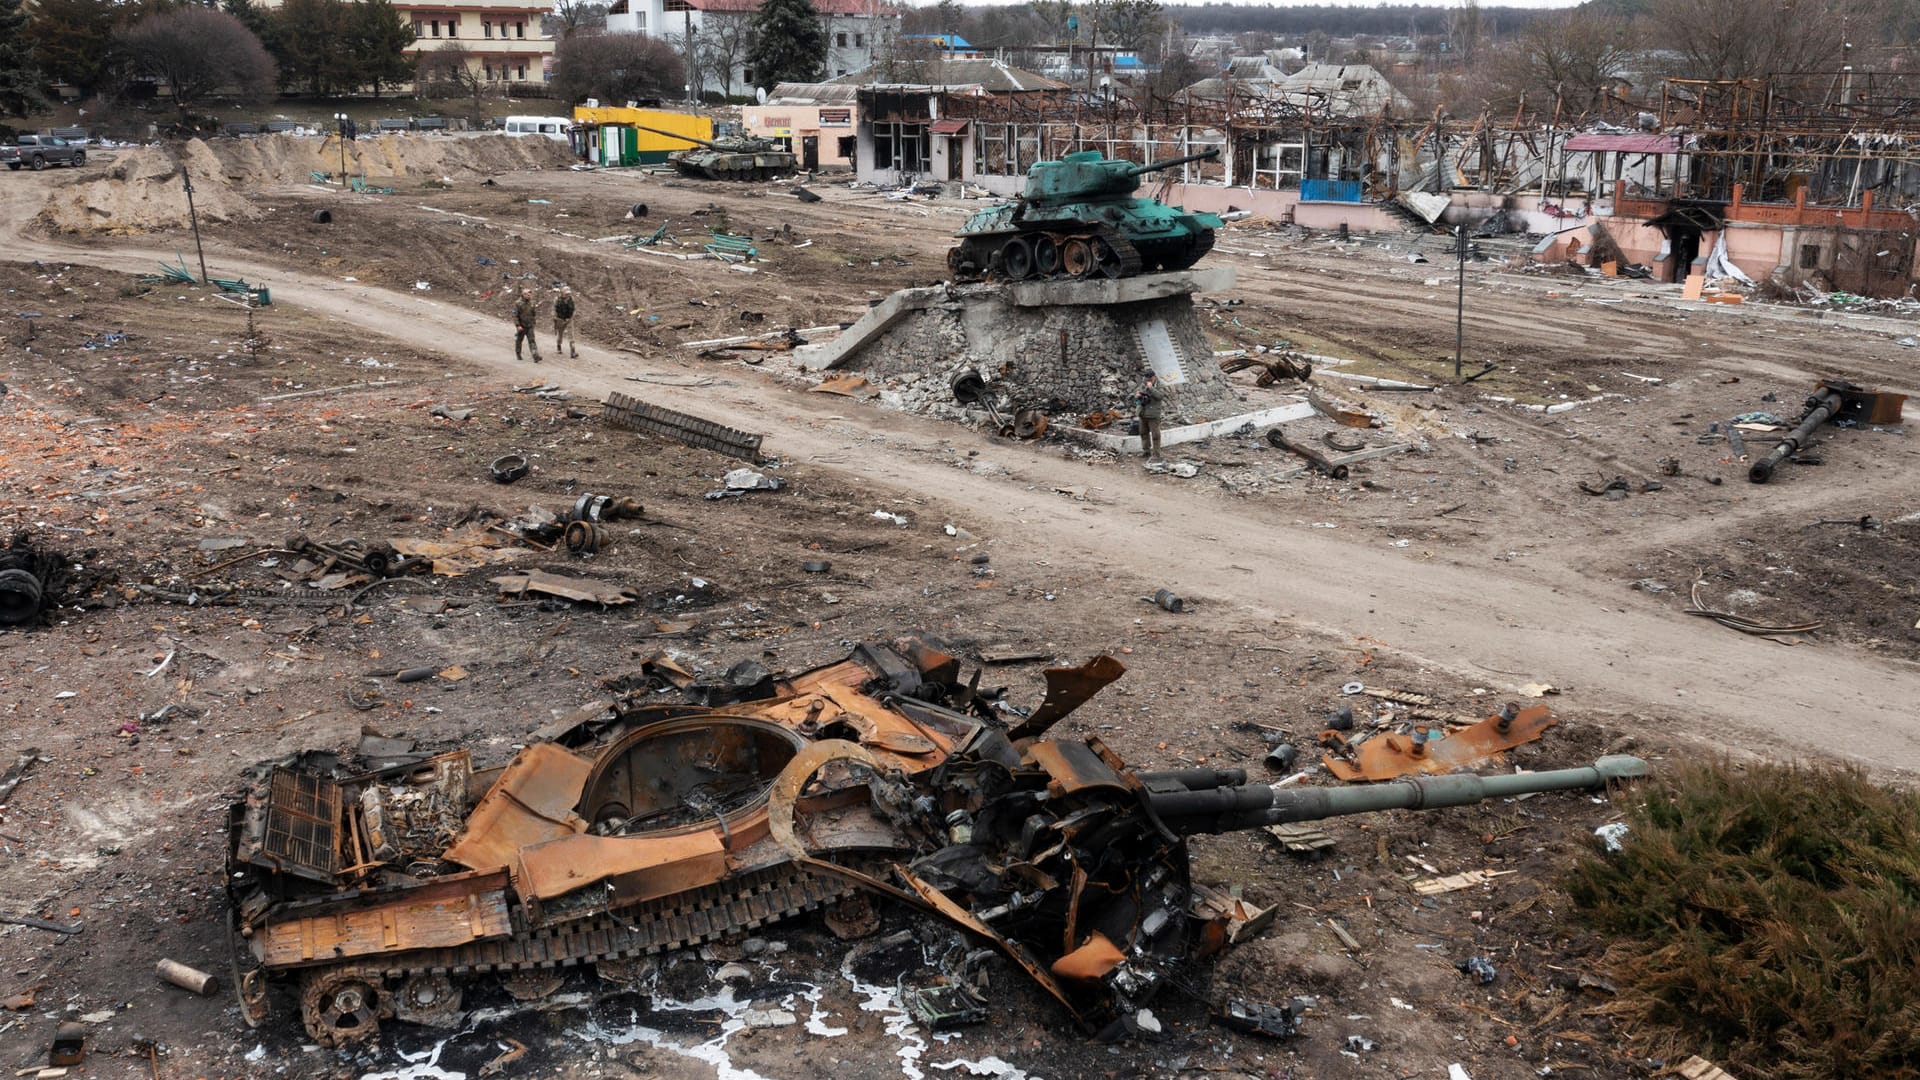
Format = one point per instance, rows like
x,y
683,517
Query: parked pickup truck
x,y
41,151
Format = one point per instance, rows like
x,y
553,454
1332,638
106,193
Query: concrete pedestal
x,y
1067,348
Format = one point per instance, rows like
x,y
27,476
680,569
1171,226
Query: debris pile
x,y
143,189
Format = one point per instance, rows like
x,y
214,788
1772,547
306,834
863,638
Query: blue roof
x,y
951,41
1124,61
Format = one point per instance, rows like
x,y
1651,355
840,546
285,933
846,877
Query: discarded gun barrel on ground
x,y
650,827
1832,399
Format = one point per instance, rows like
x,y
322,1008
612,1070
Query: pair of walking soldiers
x,y
526,319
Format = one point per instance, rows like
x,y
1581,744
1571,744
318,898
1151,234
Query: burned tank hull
x,y
382,895
1079,218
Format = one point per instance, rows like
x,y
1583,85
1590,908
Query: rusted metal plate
x,y
787,786
438,921
1068,688
531,803
650,865
1091,961
1073,767
1386,757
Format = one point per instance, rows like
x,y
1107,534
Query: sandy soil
x,y
1464,569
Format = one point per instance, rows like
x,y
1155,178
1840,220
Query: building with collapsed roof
x,y
906,129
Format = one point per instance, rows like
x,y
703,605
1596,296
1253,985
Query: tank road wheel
x,y
1106,261
1017,257
341,1008
431,1000
1076,257
1046,256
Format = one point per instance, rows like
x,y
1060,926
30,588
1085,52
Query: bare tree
x,y
1132,24
1728,39
194,51
454,70
573,16
1053,15
1571,56
616,67
1466,27
722,43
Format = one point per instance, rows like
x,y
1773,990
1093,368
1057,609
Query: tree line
x,y
122,48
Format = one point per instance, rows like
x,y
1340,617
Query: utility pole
x,y
194,218
1460,304
342,118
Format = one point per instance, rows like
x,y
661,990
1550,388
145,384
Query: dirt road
x,y
1501,621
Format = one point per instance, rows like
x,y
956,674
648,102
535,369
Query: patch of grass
x,y
1767,918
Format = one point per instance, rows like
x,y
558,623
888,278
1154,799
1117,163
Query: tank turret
x,y
744,157
1077,218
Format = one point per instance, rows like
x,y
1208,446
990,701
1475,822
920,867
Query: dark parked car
x,y
40,151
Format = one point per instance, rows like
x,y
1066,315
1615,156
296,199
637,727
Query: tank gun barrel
x,y
1208,154
1823,406
675,135
1230,808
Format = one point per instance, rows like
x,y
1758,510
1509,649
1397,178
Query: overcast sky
x,y
1338,3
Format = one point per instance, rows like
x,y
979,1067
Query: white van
x,y
553,127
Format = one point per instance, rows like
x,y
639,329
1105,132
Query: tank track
x,y
673,922
984,250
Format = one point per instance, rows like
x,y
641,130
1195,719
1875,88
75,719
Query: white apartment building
x,y
857,30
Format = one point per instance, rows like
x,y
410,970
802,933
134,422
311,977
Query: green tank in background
x,y
1079,218
740,158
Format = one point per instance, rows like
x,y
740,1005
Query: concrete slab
x,y
1121,290
871,325
1186,433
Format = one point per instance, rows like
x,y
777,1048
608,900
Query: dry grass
x,y
1768,918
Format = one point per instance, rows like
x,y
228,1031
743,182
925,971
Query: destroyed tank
x,y
1078,217
384,894
740,158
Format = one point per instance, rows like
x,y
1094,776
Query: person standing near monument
x,y
1149,402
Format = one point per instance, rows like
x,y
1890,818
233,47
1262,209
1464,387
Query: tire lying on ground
x,y
20,597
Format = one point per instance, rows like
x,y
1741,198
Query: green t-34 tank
x,y
741,158
1079,218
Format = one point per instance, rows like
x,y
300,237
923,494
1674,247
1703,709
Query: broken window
x,y
436,27
1809,256
486,29
840,39
453,27
519,29
859,41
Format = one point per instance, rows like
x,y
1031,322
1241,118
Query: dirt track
x,y
1547,617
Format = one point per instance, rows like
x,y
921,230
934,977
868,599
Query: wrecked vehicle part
x,y
1068,688
1313,457
509,467
1391,754
1832,400
1261,1018
654,828
624,411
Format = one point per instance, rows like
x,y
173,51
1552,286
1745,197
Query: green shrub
x,y
1767,918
